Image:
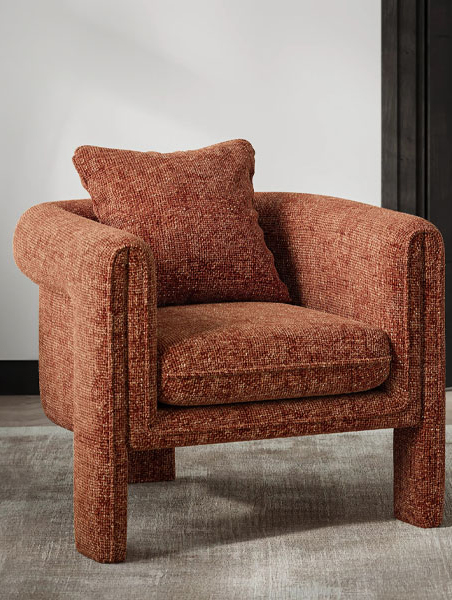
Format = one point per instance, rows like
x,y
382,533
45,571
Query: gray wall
x,y
300,79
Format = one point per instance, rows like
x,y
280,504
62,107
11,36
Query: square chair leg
x,y
151,465
100,500
419,455
100,494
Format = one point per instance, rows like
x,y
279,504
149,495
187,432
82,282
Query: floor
x,y
307,517
24,411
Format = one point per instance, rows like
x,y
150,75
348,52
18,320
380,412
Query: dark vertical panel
x,y
417,119
19,377
408,113
421,109
439,149
403,107
389,93
440,118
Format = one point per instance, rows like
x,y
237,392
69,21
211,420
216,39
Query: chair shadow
x,y
264,510
447,518
259,506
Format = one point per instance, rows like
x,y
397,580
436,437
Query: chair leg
x,y
100,494
419,472
100,500
152,465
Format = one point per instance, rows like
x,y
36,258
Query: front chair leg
x,y
100,493
419,471
152,465
100,499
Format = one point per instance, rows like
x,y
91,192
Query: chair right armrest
x,y
109,276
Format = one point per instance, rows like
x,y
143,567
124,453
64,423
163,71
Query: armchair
x,y
362,347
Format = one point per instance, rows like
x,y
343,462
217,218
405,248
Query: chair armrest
x,y
367,263
109,276
59,248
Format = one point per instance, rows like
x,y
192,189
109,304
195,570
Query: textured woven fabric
x,y
245,351
195,210
98,349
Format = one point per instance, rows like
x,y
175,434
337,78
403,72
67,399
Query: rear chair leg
x,y
151,465
419,474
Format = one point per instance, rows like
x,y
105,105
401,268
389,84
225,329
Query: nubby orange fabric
x,y
369,282
248,351
195,210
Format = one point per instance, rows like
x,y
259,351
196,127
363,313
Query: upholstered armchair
x,y
360,347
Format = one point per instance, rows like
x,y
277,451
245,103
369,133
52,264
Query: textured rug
x,y
296,518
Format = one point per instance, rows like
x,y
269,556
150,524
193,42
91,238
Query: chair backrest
x,y
267,205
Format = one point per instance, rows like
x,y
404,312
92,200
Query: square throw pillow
x,y
195,210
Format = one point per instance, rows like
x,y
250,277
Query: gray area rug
x,y
296,518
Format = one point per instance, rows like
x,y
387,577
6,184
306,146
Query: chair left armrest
x,y
373,265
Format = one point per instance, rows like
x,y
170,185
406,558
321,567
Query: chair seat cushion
x,y
251,351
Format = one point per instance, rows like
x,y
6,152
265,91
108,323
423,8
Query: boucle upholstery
x,y
195,210
98,349
246,351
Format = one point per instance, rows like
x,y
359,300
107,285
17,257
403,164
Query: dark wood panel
x,y
439,116
403,105
417,119
439,149
411,108
389,101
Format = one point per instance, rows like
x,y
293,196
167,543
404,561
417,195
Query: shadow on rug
x,y
295,518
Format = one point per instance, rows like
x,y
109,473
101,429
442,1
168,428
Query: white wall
x,y
300,79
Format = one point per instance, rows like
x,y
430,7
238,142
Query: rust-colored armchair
x,y
362,347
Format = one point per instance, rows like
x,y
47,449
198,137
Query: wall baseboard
x,y
19,377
